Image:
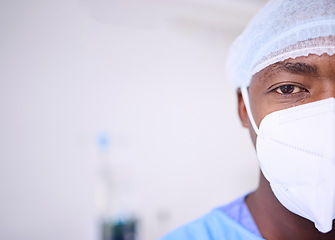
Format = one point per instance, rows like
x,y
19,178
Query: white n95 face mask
x,y
296,153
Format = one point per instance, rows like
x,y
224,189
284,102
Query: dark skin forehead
x,y
290,66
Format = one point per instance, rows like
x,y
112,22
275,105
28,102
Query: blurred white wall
x,y
147,74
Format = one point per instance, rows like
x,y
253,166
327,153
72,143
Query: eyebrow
x,y
296,68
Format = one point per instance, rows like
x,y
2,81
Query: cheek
x,y
260,109
259,105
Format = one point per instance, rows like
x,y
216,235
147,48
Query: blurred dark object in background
x,y
120,230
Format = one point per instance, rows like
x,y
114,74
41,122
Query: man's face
x,y
287,84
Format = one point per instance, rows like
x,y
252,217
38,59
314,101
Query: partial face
x,y
287,84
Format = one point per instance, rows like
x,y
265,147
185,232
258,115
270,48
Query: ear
x,y
242,111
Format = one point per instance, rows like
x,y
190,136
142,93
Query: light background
x,y
146,76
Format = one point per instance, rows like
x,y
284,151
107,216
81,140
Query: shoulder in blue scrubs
x,y
230,222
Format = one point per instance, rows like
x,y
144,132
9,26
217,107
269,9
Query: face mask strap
x,y
245,96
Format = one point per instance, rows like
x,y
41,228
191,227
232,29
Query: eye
x,y
288,89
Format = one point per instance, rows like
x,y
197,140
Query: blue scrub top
x,y
230,222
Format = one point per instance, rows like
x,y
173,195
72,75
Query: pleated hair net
x,y
283,29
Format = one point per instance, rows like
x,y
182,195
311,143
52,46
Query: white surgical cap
x,y
283,29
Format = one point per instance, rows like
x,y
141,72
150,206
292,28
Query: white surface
x,y
159,91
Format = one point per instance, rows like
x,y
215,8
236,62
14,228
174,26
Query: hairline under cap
x,y
300,49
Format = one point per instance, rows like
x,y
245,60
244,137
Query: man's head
x,y
278,40
283,66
